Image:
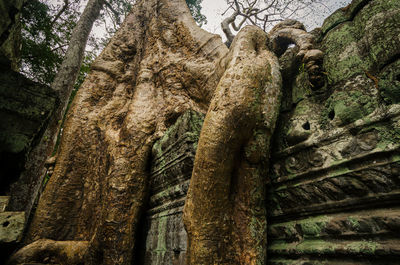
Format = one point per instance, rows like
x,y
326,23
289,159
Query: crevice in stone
x,y
306,126
356,10
389,62
331,114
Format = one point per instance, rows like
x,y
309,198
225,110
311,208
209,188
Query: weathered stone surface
x,y
4,202
366,40
11,232
165,238
11,226
25,108
10,32
335,174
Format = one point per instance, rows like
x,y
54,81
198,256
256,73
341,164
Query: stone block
x,y
334,189
171,168
25,108
4,202
11,226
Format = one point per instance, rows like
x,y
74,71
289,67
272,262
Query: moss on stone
x,y
342,15
310,227
342,58
363,247
388,134
301,88
347,107
354,222
363,40
389,83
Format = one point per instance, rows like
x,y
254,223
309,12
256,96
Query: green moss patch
x,y
347,107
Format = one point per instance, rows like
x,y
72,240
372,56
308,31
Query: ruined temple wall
x,y
164,236
335,176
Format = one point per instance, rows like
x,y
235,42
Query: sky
x,y
213,10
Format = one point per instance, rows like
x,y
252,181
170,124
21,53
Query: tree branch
x,y
62,10
115,12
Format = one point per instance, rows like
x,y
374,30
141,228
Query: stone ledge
x,y
4,203
11,226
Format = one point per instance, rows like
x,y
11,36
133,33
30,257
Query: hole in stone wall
x,y
306,126
331,114
171,119
6,223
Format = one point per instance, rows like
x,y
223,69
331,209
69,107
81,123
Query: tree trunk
x,y
63,84
225,214
159,65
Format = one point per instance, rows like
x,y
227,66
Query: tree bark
x,y
225,213
156,67
63,84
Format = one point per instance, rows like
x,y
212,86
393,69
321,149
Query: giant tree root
x,y
51,252
156,67
293,32
225,213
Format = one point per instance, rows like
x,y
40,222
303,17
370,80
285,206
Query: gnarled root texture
x,y
157,66
225,214
293,32
50,251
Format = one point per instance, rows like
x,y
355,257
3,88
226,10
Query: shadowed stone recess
x,y
25,108
171,168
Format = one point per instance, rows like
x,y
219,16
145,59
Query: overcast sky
x,y
213,10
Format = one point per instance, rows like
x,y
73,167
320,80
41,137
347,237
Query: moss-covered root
x,y
293,32
50,251
224,213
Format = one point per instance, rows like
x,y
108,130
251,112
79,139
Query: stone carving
x,y
165,239
334,190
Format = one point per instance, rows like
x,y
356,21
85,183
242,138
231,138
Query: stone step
x,y
11,226
4,203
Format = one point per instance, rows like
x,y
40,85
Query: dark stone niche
x,y
164,237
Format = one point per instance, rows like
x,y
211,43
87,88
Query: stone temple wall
x,y
172,162
335,174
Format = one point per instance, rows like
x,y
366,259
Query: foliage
x,y
44,39
111,18
195,10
